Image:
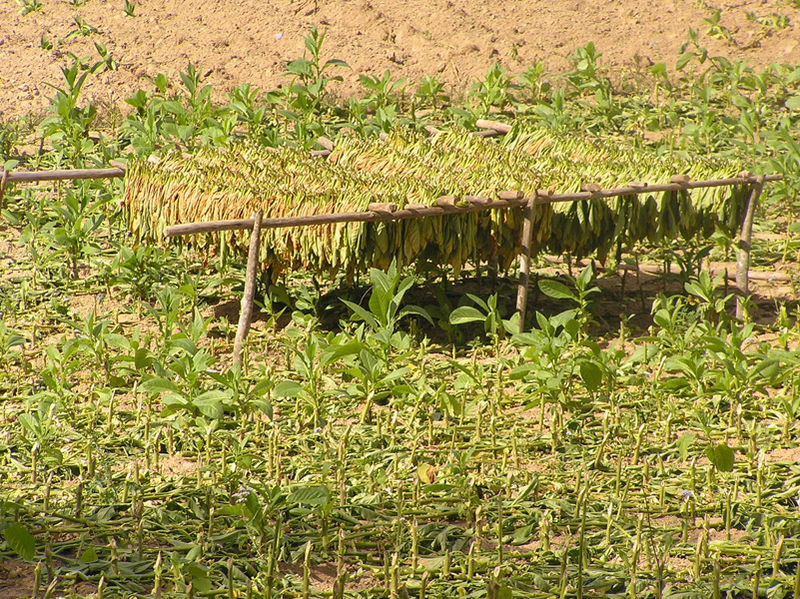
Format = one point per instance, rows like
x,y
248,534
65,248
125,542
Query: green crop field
x,y
392,433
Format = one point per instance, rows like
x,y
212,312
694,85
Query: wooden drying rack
x,y
445,205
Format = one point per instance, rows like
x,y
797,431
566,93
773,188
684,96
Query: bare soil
x,y
250,41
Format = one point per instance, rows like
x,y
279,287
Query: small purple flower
x,y
242,494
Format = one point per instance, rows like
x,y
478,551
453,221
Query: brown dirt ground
x,y
250,41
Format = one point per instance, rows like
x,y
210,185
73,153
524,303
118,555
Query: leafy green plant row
x,y
405,471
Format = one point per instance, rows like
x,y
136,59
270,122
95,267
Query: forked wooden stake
x,y
745,239
525,262
246,310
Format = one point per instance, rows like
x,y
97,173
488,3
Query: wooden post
x,y
745,238
3,179
525,262
246,310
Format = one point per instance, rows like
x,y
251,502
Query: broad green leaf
x,y
644,353
287,389
683,443
363,314
209,408
417,311
591,375
562,319
265,406
520,372
313,495
479,302
340,350
793,103
465,314
683,60
89,556
210,403
158,385
525,493
115,340
556,289
721,456
20,540
335,62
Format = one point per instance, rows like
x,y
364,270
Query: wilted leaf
x,y
426,473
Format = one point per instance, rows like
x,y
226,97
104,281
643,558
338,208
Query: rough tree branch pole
x,y
248,298
472,204
745,239
525,262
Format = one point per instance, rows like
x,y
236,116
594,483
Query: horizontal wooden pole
x,y
729,273
341,217
638,189
209,227
475,204
64,175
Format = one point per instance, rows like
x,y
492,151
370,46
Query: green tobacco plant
x,y
41,425
382,91
187,118
96,339
384,99
251,112
430,92
488,313
493,91
533,86
181,379
70,124
29,6
587,75
78,218
248,396
305,94
581,297
544,348
82,28
385,311
138,271
310,362
705,290
376,380
10,343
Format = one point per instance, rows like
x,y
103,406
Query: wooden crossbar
x,y
474,204
62,175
